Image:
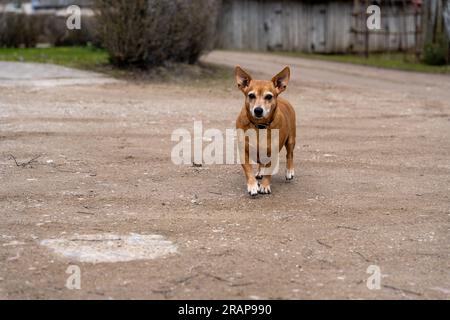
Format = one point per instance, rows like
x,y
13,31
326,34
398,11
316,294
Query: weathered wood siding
x,y
61,3
319,26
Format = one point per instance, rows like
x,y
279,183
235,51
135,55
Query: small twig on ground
x,y
362,256
164,292
185,279
223,253
402,290
229,282
287,218
324,244
215,277
346,227
24,164
243,284
85,212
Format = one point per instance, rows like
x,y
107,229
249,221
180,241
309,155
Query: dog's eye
x,y
268,97
252,96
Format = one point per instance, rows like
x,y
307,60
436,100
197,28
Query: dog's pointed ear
x,y
242,78
281,80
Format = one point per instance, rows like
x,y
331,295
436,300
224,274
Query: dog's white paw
x,y
253,189
265,189
289,174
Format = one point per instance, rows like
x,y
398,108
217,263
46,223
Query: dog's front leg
x,y
264,187
258,174
252,184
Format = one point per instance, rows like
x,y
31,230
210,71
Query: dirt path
x,y
372,188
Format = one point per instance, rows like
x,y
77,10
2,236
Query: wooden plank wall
x,y
320,26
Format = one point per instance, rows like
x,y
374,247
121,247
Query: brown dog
x,y
263,109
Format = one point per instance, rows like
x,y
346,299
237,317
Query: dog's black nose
x,y
258,111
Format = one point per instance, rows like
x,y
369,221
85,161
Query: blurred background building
x,y
323,26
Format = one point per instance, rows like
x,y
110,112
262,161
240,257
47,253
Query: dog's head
x,y
261,96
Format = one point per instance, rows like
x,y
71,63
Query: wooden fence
x,y
314,26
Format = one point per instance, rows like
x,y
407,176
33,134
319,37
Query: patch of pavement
x,y
96,248
47,75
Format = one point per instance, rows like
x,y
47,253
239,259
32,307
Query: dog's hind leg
x,y
290,146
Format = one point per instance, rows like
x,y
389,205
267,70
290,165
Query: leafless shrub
x,y
149,32
18,30
23,30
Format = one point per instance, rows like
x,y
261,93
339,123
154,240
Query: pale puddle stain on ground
x,y
96,248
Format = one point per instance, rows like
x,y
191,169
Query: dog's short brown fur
x,y
276,113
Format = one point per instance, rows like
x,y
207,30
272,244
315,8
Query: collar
x,y
262,126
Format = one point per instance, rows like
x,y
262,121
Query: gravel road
x,y
371,189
